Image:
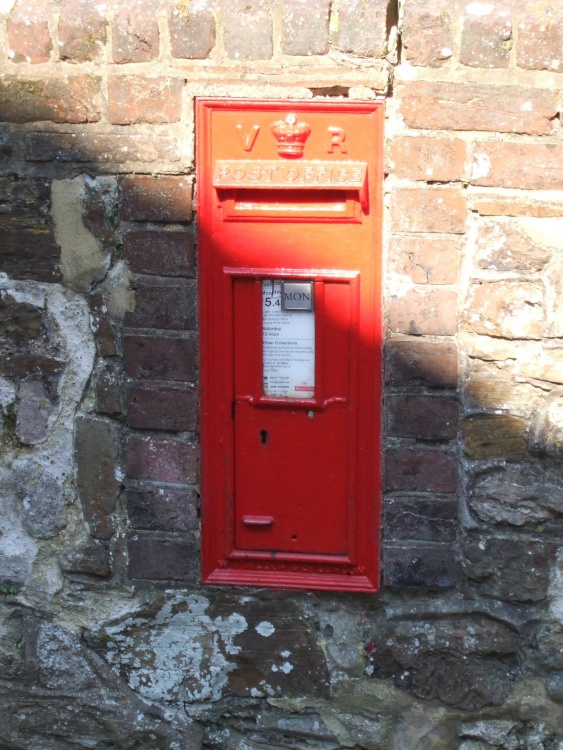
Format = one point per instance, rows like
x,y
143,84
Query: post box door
x,y
294,465
290,312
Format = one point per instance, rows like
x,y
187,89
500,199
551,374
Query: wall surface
x,y
107,638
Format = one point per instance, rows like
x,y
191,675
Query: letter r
x,y
338,138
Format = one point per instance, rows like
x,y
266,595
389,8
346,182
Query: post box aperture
x,y
289,196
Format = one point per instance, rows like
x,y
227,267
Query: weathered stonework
x,y
107,636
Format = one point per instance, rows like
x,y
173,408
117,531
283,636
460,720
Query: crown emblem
x,y
291,136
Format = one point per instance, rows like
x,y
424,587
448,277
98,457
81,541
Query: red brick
x,y
144,198
134,99
100,148
82,31
248,30
427,259
422,417
486,41
427,37
160,253
540,36
154,408
419,567
162,460
456,106
161,559
418,362
28,31
192,32
135,31
162,509
160,358
305,27
420,470
431,210
170,306
529,166
430,159
424,312
362,27
72,99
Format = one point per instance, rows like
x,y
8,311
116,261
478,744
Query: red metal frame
x,y
290,232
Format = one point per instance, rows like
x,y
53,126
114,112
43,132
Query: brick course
x,y
134,99
503,109
430,159
170,305
28,31
528,166
192,33
72,99
135,31
144,198
422,417
427,32
161,358
420,470
486,41
419,312
82,31
436,210
416,362
161,408
160,253
427,259
162,460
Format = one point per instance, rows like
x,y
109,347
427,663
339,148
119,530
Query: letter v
x,y
248,139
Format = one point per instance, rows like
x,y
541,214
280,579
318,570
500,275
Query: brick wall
x,y
99,559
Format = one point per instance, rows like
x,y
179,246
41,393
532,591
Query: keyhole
x,y
264,436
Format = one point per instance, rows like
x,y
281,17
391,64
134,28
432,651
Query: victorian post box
x,y
289,219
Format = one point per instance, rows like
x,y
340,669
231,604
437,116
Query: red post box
x,y
289,210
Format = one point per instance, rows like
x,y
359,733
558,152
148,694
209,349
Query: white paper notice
x,y
288,346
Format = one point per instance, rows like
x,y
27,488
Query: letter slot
x,y
290,201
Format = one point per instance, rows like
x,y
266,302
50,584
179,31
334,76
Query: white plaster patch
x,y
83,259
265,629
120,296
399,284
481,166
479,9
526,107
7,392
546,232
183,653
17,548
556,589
6,6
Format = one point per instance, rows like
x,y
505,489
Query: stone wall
x,y
107,639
